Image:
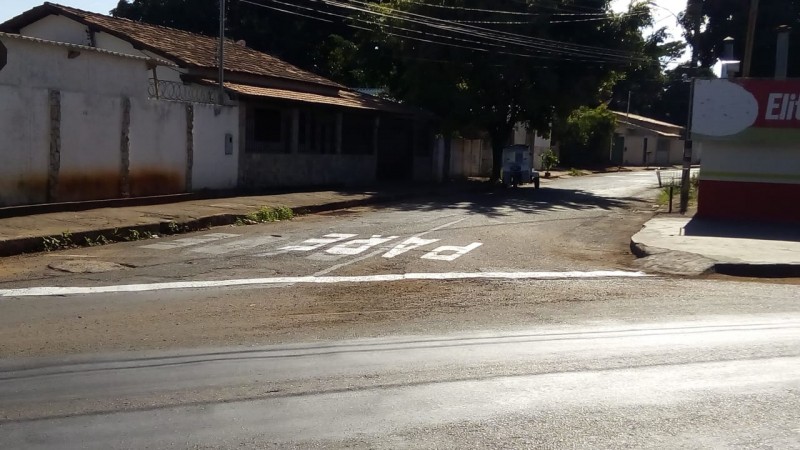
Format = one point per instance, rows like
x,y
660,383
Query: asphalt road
x,y
710,382
571,224
578,354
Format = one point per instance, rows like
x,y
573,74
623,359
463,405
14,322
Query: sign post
x,y
686,175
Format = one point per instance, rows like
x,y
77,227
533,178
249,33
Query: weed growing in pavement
x,y
267,214
173,227
576,172
58,242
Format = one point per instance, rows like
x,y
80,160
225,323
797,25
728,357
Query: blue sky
x,y
11,8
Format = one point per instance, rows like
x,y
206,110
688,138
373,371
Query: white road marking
x,y
450,252
358,246
408,245
238,245
60,291
312,244
186,242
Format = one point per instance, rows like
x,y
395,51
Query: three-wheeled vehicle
x,y
518,167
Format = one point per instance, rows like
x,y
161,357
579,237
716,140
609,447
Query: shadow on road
x,y
503,202
742,230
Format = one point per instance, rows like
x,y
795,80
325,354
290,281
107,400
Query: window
x,y
267,130
268,125
317,132
357,134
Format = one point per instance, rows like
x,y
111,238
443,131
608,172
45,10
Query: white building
x,y
101,107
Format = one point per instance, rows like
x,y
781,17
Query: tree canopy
x,y
708,22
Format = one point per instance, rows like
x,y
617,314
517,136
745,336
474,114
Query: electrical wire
x,y
536,44
580,55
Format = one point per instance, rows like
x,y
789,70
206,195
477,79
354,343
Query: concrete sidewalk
x,y
689,246
24,234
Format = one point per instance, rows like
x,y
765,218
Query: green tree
x,y
708,22
586,135
543,71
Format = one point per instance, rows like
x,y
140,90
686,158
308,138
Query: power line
x,y
539,44
495,11
579,55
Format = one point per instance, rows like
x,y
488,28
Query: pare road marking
x,y
188,242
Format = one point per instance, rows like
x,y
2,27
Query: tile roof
x,y
188,49
344,98
622,115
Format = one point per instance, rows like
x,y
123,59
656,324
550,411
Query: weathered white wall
x,y
212,168
58,28
45,66
24,145
158,151
63,29
470,158
115,44
91,126
93,87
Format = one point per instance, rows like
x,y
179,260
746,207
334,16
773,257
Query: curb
x,y
36,244
746,270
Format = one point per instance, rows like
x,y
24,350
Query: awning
x,y
343,98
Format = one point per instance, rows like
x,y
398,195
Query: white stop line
x,y
57,291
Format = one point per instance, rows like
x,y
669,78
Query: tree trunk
x,y
499,139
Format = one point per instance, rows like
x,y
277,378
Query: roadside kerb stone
x,y
678,261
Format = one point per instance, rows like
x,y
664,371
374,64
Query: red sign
x,y
778,102
725,108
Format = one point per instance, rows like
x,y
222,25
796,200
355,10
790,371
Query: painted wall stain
x,y
87,186
146,182
26,190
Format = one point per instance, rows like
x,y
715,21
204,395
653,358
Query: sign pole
x,y
751,33
686,175
221,49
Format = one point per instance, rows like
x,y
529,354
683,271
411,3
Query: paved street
x,y
507,319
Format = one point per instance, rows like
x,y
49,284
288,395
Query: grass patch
x,y
573,172
663,194
267,214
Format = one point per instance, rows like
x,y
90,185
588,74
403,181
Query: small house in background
x,y
642,141
138,114
472,156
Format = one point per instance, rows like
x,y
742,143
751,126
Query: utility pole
x,y
630,93
221,55
686,175
751,34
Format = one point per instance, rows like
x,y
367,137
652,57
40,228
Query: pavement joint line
x,y
86,290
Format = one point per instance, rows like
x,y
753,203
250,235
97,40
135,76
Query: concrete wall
x,y
82,128
158,150
37,65
470,158
90,147
63,29
212,168
267,170
24,145
59,29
